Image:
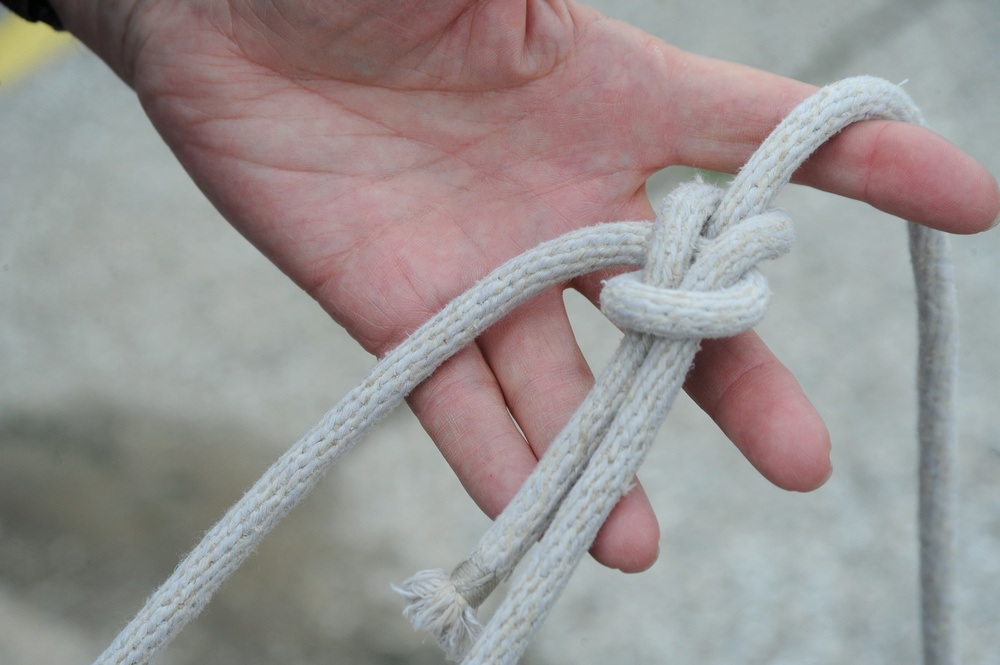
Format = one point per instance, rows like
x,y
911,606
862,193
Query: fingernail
x,y
995,223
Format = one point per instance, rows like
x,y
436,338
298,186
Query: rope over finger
x,y
699,279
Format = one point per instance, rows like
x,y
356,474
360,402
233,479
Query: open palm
x,y
388,156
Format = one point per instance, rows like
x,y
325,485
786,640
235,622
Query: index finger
x,y
902,169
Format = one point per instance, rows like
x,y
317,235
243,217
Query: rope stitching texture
x,y
697,280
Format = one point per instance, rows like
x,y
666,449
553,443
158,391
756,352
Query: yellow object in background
x,y
24,46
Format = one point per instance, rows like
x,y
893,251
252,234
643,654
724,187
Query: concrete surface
x,y
152,365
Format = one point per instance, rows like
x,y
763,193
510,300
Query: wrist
x,y
112,29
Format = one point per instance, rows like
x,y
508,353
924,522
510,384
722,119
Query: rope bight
x,y
697,280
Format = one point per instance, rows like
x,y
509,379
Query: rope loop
x,y
695,286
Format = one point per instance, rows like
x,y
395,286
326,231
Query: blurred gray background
x,y
152,364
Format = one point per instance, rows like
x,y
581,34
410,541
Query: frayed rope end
x,y
434,604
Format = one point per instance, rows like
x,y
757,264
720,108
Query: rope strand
x,y
698,279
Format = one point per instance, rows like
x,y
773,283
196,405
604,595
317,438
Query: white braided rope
x,y
698,280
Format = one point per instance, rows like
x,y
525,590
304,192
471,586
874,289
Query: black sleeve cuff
x,y
34,10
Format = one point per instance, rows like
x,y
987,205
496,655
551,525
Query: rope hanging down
x,y
698,280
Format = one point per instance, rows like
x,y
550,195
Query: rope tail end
x,y
435,604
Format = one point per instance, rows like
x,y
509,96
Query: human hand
x,y
387,157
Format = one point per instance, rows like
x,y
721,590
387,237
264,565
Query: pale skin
x,y
387,154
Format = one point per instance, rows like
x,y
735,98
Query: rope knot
x,y
700,278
